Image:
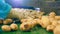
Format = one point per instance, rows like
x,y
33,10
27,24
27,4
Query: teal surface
x,y
4,9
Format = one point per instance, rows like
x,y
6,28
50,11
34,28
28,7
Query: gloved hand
x,y
4,9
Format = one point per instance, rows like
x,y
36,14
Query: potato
x,y
32,23
22,27
6,28
24,20
54,22
45,21
7,21
51,19
59,22
39,17
50,27
57,17
52,15
38,21
29,20
39,14
57,30
14,26
25,27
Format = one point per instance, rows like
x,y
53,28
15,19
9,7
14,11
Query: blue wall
x,y
18,3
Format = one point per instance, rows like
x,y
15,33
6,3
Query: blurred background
x,y
45,5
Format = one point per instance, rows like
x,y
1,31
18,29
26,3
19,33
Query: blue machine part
x,y
4,9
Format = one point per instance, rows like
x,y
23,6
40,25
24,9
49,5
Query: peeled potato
x,y
45,21
50,28
6,28
8,21
14,26
57,30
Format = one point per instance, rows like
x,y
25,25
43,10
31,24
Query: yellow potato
x,y
57,30
6,28
37,21
51,19
52,15
24,20
25,27
45,21
7,21
32,23
39,14
59,22
57,17
54,22
50,27
14,26
39,17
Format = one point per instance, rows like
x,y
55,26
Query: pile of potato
x,y
28,24
50,22
6,21
9,28
29,19
23,13
6,27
